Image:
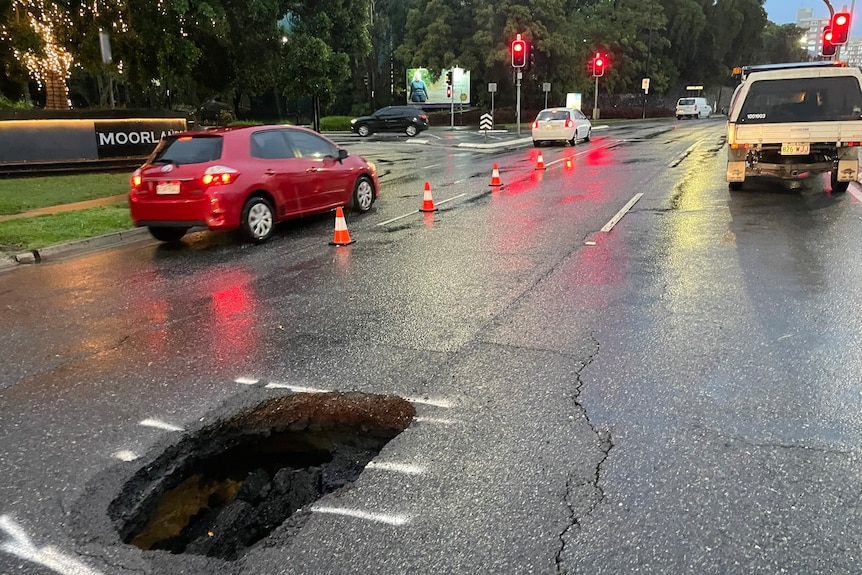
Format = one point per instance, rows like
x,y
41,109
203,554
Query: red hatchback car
x,y
249,178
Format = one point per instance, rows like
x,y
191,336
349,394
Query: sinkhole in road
x,y
221,490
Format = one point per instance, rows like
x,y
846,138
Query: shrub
x,y
335,124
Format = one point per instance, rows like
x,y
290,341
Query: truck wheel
x,y
734,186
838,187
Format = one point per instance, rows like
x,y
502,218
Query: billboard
x,y
423,89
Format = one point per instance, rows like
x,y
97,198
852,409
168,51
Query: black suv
x,y
407,119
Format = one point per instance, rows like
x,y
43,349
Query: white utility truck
x,y
795,120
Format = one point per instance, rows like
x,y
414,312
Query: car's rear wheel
x,y
363,131
838,187
411,130
258,220
165,234
536,144
363,195
589,133
735,186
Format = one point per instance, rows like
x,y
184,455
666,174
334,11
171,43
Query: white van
x,y
692,108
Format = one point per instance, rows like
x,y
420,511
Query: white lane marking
x,y
427,401
125,455
405,468
685,154
613,221
378,517
435,420
21,546
407,215
296,388
158,424
246,380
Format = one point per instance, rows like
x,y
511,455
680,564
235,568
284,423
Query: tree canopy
x,y
352,54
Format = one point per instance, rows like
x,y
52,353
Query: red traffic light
x,y
519,52
448,91
599,65
828,48
840,28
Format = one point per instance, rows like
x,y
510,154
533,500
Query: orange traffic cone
x,y
495,177
342,236
540,162
427,202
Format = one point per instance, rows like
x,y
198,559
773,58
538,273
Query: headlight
x,y
353,121
372,166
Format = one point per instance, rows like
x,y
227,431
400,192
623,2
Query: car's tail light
x,y
423,116
535,124
569,123
136,178
219,176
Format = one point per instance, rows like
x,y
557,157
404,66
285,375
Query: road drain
x,y
219,492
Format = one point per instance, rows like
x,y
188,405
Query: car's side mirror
x,y
342,153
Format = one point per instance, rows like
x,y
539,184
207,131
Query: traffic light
x,y
599,65
519,52
840,28
828,48
448,77
448,91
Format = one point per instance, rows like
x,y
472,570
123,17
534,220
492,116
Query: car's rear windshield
x,y
802,100
685,102
189,150
553,115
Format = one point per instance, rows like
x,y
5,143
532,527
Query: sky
x,y
784,11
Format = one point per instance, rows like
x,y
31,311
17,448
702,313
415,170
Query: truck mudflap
x,y
848,170
736,171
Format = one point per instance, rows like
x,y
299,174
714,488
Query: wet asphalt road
x,y
677,395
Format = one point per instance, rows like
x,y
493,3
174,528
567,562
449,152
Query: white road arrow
x,y
21,546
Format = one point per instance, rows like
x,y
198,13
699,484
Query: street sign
x,y
486,122
546,87
492,86
645,85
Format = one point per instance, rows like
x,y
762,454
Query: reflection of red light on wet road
x,y
233,326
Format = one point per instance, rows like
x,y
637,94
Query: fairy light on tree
x,y
47,62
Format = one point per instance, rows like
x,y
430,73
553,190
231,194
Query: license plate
x,y
795,149
168,188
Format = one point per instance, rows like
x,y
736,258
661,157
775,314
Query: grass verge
x,y
41,231
21,194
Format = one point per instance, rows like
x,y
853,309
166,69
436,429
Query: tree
x,y
782,44
31,34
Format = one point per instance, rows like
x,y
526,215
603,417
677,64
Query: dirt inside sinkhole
x,y
218,492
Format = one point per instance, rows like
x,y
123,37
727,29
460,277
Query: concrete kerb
x,y
77,246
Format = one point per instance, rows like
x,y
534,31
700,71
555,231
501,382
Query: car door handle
x,y
270,172
312,170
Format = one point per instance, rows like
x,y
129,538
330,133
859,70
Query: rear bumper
x,y
208,210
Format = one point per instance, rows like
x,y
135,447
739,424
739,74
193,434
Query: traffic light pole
x,y
518,100
596,101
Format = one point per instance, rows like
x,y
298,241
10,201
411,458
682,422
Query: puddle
x,y
229,486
